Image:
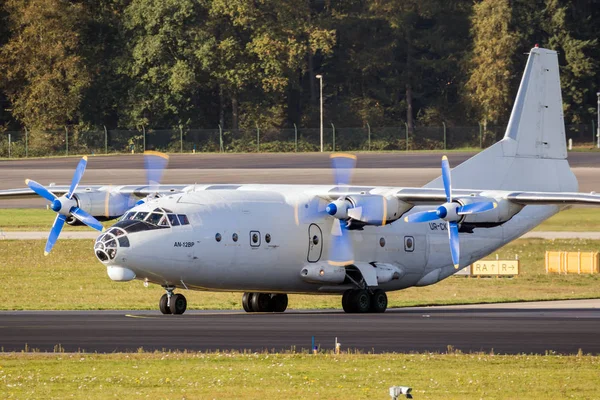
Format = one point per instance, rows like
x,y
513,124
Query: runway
x,y
562,327
397,159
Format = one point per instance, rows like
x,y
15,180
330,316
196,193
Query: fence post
x,y
480,135
26,143
180,139
144,137
105,140
66,141
593,131
333,127
406,127
295,138
443,123
257,138
9,145
220,138
369,130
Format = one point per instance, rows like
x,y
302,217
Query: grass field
x,y
578,219
296,376
72,278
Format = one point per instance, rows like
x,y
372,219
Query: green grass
x,y
34,219
580,219
71,278
296,376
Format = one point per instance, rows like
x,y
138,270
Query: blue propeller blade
x,y
39,189
475,208
155,163
54,232
340,250
424,216
87,219
343,166
446,178
454,245
77,176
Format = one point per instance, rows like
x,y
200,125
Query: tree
x,y
494,43
43,73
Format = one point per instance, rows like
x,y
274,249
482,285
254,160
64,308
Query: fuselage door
x,y
315,243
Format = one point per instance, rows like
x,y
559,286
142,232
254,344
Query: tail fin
x,y
532,155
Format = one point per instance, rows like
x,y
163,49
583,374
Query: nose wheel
x,y
172,303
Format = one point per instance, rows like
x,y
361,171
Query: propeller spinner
x,y
451,212
65,206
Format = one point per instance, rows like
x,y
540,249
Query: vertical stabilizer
x,y
533,153
536,122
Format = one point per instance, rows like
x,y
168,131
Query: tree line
x,y
239,63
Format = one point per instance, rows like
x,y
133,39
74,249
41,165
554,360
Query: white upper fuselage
x,y
275,241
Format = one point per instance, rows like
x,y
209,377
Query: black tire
x,y
246,302
360,301
279,302
162,304
346,305
379,301
178,304
261,302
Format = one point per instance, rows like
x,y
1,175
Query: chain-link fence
x,y
17,144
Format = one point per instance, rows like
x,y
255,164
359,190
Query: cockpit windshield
x,y
159,217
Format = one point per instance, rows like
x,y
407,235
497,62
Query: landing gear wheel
x,y
247,301
279,302
378,301
346,301
261,302
360,301
162,304
178,304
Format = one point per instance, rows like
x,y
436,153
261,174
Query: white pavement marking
x,y
44,235
561,235
555,304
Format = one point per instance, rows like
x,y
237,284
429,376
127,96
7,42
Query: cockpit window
x,y
128,216
140,216
154,218
173,219
183,219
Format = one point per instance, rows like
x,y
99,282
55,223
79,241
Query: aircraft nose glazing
x,y
108,243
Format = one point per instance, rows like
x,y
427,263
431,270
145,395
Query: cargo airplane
x,y
359,242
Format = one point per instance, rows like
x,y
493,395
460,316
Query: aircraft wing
x,y
58,190
533,198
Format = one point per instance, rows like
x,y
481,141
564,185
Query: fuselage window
x,y
163,221
315,240
268,238
183,219
255,238
234,237
218,237
140,216
382,242
173,219
129,215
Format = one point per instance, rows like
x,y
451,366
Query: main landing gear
x,y
364,301
172,303
264,302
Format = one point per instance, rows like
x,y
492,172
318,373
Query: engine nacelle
x,y
375,209
104,204
323,273
502,213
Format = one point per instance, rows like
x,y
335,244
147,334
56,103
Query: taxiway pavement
x,y
562,327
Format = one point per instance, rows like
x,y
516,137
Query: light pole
x,y
598,126
320,78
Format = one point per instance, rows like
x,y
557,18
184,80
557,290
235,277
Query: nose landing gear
x,y
264,302
364,301
172,303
